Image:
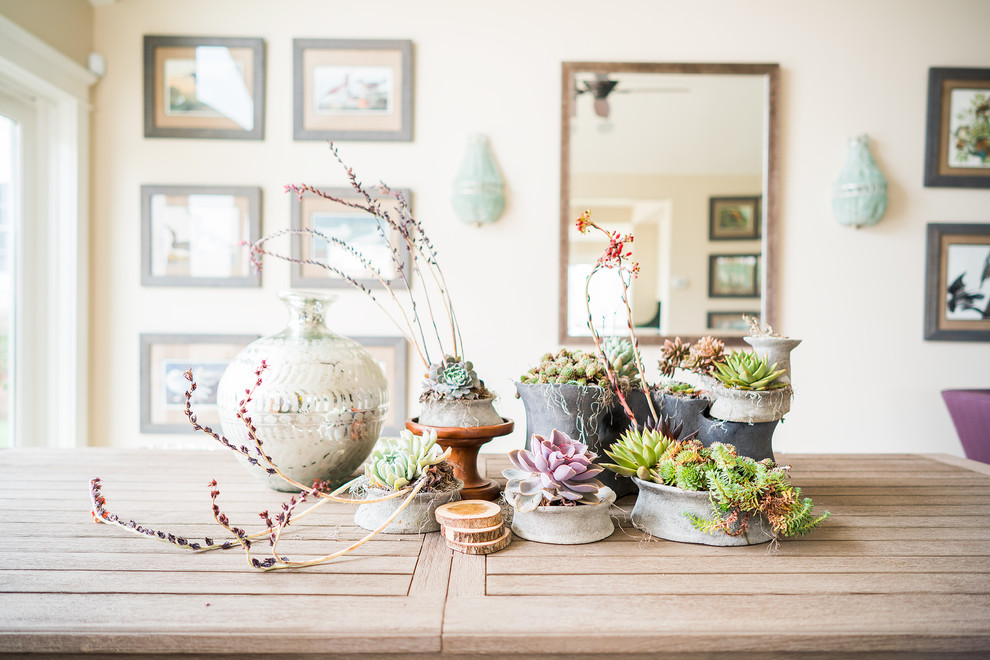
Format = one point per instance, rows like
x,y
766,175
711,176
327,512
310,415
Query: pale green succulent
x,y
398,462
745,370
637,451
453,378
622,357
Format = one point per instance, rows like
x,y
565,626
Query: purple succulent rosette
x,y
555,470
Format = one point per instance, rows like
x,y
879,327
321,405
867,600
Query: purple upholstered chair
x,y
970,411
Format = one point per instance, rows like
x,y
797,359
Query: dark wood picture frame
x,y
246,199
303,246
393,351
176,111
967,247
716,286
162,403
326,105
719,207
941,137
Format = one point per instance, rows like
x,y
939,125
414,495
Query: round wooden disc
x,y
469,514
484,535
482,548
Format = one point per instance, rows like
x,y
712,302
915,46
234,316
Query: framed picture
x,y
360,230
733,276
391,354
957,150
349,89
204,87
734,218
193,235
957,282
164,361
729,320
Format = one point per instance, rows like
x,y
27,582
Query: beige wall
x,y
855,297
63,24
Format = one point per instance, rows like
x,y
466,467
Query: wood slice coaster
x,y
469,514
483,535
482,548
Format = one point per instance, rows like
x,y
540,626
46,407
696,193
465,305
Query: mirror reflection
x,y
680,157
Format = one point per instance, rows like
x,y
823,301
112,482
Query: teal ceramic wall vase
x,y
479,193
860,193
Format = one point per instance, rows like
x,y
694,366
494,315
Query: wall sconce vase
x,y
860,193
479,193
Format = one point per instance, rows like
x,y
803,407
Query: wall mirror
x,y
682,157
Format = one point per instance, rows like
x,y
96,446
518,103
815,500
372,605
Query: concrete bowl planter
x,y
750,406
417,518
660,509
567,525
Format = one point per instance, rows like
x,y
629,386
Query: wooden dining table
x,y
900,570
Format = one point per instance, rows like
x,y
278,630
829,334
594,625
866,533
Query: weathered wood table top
x,y
902,568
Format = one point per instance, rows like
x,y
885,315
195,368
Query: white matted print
x,y
195,235
164,360
381,247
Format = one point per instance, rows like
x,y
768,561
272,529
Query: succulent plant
x,y
452,378
672,355
678,388
622,358
704,354
567,367
555,470
398,462
745,370
637,451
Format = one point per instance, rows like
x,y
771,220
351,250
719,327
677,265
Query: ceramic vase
x,y
776,350
859,196
321,402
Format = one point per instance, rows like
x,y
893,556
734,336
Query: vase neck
x,y
307,312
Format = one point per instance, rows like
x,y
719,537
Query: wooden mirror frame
x,y
768,302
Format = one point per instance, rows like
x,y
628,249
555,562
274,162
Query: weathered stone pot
x,y
588,414
749,406
458,413
660,509
775,349
417,518
752,440
567,525
687,411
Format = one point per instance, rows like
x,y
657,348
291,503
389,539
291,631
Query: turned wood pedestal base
x,y
464,445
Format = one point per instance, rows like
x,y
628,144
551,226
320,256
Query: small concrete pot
x,y
417,518
567,525
734,405
459,413
775,349
660,509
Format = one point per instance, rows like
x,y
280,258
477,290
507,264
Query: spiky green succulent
x,y
637,451
622,357
452,378
566,367
397,462
745,370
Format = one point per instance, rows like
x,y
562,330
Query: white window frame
x,y
52,301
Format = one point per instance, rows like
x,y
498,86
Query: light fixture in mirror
x,y
682,157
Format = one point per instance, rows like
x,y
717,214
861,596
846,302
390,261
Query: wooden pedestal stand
x,y
464,444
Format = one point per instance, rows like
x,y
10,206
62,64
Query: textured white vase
x,y
321,403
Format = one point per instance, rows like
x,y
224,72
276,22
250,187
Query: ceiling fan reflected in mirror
x,y
601,87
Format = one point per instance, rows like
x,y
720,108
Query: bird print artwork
x,y
960,300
